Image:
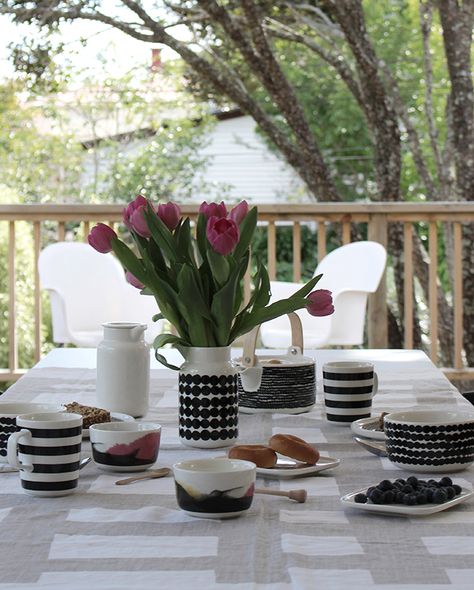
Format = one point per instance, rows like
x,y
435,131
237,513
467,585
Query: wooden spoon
x,y
149,475
298,495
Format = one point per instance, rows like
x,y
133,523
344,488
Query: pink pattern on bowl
x,y
145,447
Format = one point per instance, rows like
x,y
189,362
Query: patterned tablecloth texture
x,y
116,537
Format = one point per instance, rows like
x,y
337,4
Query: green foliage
x,y
38,166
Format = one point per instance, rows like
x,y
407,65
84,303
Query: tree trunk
x,y
457,22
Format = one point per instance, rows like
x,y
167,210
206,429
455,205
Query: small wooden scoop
x,y
298,495
155,474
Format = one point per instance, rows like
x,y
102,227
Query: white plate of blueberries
x,y
410,497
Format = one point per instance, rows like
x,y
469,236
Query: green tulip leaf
x,y
163,340
182,237
222,309
160,233
129,260
275,310
262,286
190,292
219,266
201,236
247,230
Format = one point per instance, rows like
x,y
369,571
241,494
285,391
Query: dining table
x,y
114,537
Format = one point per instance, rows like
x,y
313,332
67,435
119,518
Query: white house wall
x,y
240,160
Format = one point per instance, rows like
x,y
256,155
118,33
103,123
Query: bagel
x,y
261,455
294,447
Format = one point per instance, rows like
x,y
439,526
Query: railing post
x,y
12,338
377,317
271,245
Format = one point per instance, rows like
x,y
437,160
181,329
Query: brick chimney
x,y
155,59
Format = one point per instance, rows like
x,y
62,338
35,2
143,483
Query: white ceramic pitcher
x,y
123,369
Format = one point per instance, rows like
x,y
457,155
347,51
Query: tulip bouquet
x,y
197,279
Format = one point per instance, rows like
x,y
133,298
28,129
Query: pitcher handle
x,y
249,358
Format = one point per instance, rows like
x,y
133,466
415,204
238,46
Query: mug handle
x,y
375,388
12,450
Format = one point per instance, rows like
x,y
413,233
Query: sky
x,y
121,51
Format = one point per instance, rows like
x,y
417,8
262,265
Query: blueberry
x,y
446,481
385,485
400,482
439,496
457,489
389,497
377,496
410,499
360,499
370,490
413,481
421,498
399,497
407,489
428,494
450,492
432,483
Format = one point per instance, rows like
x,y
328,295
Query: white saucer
x,y
286,468
368,427
401,509
115,417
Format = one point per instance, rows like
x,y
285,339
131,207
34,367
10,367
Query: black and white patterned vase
x,y
208,403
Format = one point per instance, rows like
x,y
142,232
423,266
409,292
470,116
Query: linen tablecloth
x,y
114,537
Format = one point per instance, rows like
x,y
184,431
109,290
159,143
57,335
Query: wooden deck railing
x,y
375,217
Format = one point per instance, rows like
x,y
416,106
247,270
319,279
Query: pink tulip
x,y
132,279
213,209
239,212
223,234
138,222
139,201
100,237
170,214
319,303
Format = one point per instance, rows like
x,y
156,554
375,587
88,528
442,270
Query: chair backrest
x,y
350,272
88,288
355,266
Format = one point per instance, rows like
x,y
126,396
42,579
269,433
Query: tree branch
x,y
286,33
29,15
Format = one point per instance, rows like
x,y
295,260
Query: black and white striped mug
x,y
349,387
47,451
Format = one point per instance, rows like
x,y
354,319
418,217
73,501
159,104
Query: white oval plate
x,y
401,509
289,468
116,417
368,427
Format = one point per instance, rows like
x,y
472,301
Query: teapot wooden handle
x,y
248,355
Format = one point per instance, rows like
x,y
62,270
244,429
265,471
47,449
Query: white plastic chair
x,y
87,289
351,272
